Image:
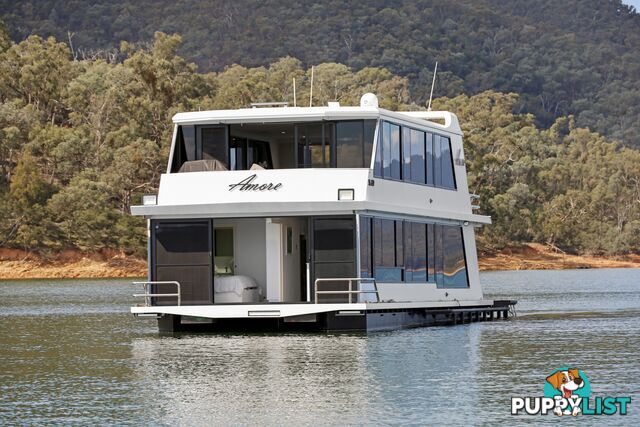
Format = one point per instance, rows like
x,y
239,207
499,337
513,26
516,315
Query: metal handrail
x,y
147,296
474,197
351,291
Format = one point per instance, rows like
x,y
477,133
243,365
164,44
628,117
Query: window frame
x,y
429,156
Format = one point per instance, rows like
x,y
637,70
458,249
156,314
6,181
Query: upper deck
x,y
315,161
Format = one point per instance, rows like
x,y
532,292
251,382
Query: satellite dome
x,y
369,100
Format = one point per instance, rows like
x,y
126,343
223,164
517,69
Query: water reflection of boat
x,y
331,218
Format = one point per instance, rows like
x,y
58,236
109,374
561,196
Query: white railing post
x,y
349,292
147,295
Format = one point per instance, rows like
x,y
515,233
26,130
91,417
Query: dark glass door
x,y
182,253
334,254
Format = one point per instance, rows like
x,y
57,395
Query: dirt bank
x,y
17,264
534,256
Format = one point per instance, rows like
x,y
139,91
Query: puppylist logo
x,y
567,391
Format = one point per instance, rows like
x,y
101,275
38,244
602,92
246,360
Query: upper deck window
x,y
414,156
342,144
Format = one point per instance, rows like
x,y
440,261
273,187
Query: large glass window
x,y
185,147
391,156
417,260
350,144
406,153
365,247
397,251
454,263
430,159
437,161
448,178
431,256
212,144
388,250
438,254
342,144
417,157
414,156
369,135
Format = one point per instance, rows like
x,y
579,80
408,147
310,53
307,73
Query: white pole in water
x,y
311,92
433,83
294,92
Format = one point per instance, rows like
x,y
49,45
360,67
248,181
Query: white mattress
x,y
244,288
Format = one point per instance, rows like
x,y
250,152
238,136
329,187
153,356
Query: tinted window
x,y
406,153
333,240
377,165
439,255
454,263
437,161
369,133
388,243
431,257
189,135
391,156
417,157
213,144
350,144
399,238
396,161
185,147
365,247
238,153
181,243
385,138
430,159
319,146
448,179
418,261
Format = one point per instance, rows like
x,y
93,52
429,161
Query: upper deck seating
x,y
203,166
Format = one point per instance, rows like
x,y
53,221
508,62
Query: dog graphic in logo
x,y
567,382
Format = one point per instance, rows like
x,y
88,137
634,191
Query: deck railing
x,y
147,296
349,292
475,201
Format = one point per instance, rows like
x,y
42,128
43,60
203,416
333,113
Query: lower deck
x,y
365,317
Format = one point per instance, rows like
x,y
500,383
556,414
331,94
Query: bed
x,y
235,289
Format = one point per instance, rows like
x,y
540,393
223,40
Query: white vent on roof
x,y
333,104
369,100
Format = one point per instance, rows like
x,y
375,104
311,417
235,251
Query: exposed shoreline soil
x,y
534,256
17,264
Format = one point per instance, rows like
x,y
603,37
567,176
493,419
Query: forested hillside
x,y
579,57
80,140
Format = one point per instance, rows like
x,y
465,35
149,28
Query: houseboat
x,y
313,218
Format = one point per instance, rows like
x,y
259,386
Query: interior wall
x,y
273,248
291,261
249,248
287,277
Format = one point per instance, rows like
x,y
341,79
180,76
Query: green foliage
x,y
81,140
565,186
571,57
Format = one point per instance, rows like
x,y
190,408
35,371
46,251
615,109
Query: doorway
x,y
334,254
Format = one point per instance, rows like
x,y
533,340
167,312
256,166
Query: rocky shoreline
x,y
16,264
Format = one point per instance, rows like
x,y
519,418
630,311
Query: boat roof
x,y
438,120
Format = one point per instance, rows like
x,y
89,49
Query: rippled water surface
x,y
71,354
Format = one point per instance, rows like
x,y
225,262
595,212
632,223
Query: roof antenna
x,y
433,83
294,92
311,92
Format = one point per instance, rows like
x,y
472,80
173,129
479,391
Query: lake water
x,y
72,354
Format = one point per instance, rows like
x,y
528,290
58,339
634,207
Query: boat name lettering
x,y
248,185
